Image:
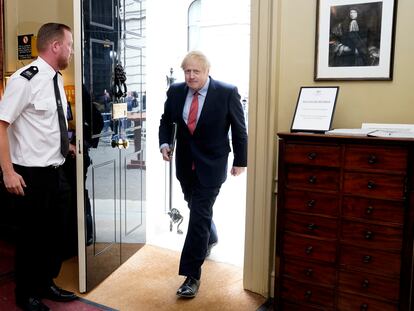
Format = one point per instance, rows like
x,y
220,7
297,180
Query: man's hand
x,y
166,152
72,150
237,170
14,183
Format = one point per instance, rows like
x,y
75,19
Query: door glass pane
x,y
114,148
132,56
101,160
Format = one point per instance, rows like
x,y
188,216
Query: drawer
x,y
298,246
375,185
307,293
372,261
376,158
359,303
371,209
309,272
313,178
311,202
289,306
311,225
313,154
368,284
372,236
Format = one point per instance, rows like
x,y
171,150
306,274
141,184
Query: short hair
x,y
197,55
49,32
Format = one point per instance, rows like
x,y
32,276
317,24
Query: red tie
x,y
192,115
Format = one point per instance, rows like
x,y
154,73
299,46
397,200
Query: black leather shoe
x,y
189,288
209,247
31,304
55,293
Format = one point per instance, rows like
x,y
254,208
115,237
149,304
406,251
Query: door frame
x,y
77,43
259,236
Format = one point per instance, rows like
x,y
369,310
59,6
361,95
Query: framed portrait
x,y
355,39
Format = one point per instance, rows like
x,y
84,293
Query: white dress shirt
x,y
201,98
29,106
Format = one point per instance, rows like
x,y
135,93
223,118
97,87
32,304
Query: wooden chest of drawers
x,y
345,218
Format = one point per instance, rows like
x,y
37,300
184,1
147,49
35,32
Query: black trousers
x,y
201,229
40,228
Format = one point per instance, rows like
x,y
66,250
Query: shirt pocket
x,y
44,104
43,108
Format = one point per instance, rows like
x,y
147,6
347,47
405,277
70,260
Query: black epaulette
x,y
30,72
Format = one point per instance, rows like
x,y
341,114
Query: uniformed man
x,y
33,146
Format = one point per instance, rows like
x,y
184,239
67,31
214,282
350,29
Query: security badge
x,y
30,72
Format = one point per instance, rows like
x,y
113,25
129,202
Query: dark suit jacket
x,y
209,147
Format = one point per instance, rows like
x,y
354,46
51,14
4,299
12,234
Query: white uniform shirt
x,y
29,106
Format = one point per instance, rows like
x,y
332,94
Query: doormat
x,y
7,301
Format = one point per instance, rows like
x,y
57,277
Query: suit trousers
x,y
201,229
40,228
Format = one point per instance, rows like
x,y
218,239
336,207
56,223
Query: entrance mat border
x,y
95,304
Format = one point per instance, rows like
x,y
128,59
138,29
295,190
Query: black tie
x,y
64,140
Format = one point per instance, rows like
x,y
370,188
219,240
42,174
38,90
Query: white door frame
x,y
77,44
263,110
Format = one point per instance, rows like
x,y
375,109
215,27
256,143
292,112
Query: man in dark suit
x,y
204,110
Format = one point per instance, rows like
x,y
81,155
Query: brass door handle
x,y
120,143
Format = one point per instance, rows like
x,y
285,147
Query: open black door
x,y
113,32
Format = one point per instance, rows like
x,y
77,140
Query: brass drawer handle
x,y
309,250
369,210
309,272
312,179
368,235
311,203
372,159
365,284
308,294
312,227
366,259
371,185
312,155
364,307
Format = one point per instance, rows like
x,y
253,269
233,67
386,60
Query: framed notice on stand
x,y
314,109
